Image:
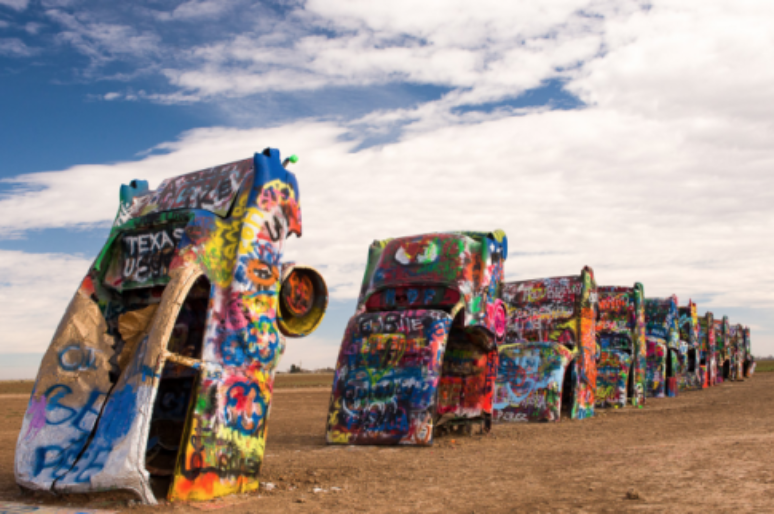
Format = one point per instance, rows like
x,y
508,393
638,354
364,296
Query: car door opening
x,y
176,390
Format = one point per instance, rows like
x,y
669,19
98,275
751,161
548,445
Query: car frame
x,y
159,377
420,353
737,352
662,336
691,376
722,340
548,361
621,367
749,361
707,343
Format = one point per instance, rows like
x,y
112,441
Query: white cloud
x,y
33,27
197,9
15,47
18,5
35,289
103,42
687,59
618,192
493,51
486,50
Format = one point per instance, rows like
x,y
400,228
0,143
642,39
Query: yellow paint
x,y
208,484
337,437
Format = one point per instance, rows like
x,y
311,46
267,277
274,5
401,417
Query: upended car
x,y
159,378
707,345
722,329
420,352
737,352
691,376
749,359
663,340
620,333
548,362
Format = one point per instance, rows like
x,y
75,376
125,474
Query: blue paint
x,y
268,167
135,188
264,329
113,426
240,409
231,350
74,358
57,413
59,459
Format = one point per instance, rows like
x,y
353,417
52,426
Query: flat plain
x,y
704,451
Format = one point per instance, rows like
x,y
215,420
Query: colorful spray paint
x,y
549,359
690,376
161,370
737,352
722,338
620,333
420,353
707,344
662,337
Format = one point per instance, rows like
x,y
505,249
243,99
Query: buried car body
x,y
662,337
722,340
549,359
691,373
622,351
707,344
421,350
159,377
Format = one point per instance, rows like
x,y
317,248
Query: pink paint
x,y
37,411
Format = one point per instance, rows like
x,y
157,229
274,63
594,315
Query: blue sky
x,y
633,136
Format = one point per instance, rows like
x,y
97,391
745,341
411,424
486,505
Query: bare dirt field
x,y
704,451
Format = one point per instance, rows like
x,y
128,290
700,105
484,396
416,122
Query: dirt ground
x,y
704,451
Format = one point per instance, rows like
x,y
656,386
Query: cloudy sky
x,y
633,136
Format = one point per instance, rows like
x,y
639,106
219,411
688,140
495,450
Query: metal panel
x,y
386,378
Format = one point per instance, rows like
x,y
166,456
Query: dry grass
x,y
764,365
16,386
303,380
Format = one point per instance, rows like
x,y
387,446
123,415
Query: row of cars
x,y
440,341
159,378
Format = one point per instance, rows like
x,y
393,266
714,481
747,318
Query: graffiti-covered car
x,y
731,341
620,336
421,350
549,360
722,339
159,376
749,360
691,376
737,352
707,344
662,337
